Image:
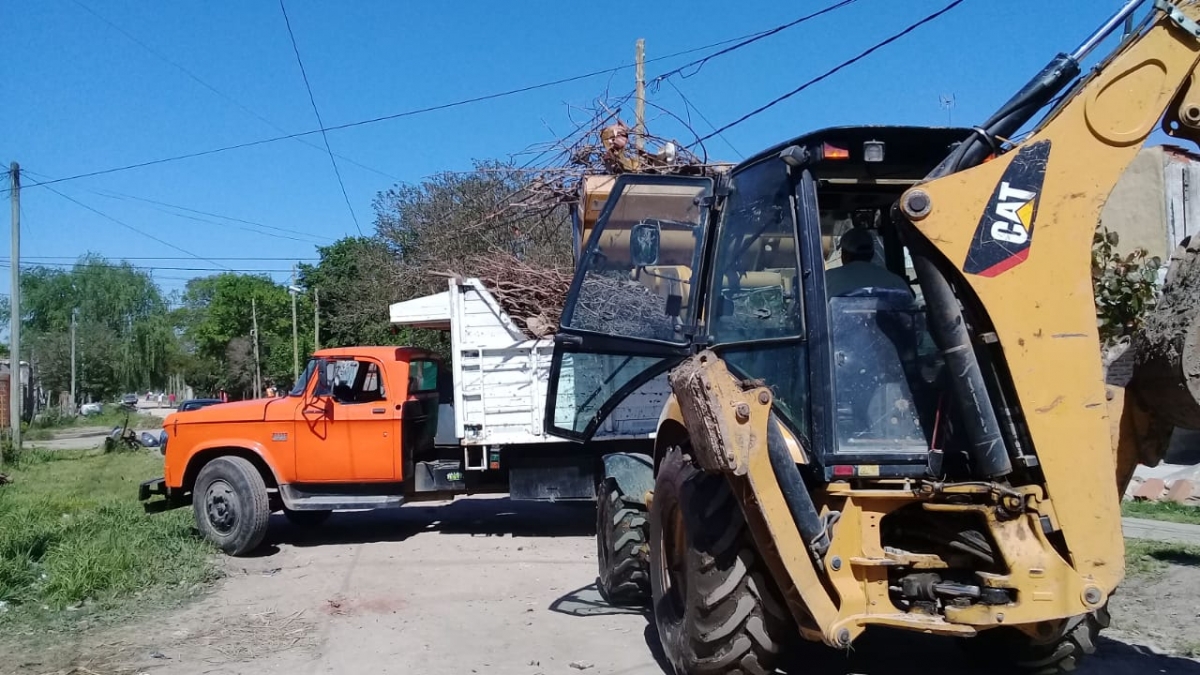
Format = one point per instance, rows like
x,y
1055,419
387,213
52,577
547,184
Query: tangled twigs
x,y
532,295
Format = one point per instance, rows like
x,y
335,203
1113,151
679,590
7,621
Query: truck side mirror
x,y
644,240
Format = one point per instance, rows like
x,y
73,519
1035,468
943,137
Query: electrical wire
x,y
149,268
385,118
242,258
699,63
135,229
286,233
324,136
198,80
692,106
832,71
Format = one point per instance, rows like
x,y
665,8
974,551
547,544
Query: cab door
x,y
322,439
346,430
369,409
631,312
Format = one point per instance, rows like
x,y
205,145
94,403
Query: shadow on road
x,y
487,517
587,601
893,652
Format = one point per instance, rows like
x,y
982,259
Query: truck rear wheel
x,y
621,547
231,505
1025,654
715,607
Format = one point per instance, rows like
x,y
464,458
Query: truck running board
x,y
340,497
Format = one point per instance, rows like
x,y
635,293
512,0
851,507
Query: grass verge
x,y
1144,557
74,542
1170,511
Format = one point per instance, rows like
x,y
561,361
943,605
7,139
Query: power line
x,y
751,39
829,73
196,78
325,137
6,262
110,194
235,258
382,118
692,106
131,227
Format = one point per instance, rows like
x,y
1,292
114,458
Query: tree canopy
x,y
133,339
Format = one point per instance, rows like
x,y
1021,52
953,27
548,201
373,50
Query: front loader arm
x,y
1014,236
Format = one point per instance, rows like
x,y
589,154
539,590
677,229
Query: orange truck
x,y
375,427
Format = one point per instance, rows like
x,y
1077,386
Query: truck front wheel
x,y
231,504
715,607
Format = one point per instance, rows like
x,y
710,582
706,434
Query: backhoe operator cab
x,y
854,377
356,432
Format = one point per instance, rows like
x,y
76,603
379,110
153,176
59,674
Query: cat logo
x,y
1014,215
1005,232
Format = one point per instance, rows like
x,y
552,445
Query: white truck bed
x,y
500,375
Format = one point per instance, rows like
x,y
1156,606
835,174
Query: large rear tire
x,y
621,533
715,606
1025,654
231,505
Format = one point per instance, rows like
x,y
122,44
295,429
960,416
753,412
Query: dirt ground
x,y
490,586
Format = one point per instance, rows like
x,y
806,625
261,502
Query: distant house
x,y
28,397
1161,187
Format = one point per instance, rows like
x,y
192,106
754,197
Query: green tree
x,y
215,323
357,280
125,341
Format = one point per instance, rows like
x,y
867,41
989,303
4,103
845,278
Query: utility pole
x,y
14,357
295,333
639,131
257,368
316,319
74,401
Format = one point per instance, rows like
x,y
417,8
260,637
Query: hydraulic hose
x,y
989,457
795,493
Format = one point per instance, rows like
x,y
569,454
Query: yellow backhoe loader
x,y
934,455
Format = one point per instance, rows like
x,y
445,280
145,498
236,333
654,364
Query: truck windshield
x,y
302,383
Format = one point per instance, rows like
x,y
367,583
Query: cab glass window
x,y
637,278
356,381
756,281
422,377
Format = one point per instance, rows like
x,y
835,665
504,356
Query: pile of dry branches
x,y
533,295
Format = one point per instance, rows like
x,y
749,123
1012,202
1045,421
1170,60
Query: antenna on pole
x,y
946,102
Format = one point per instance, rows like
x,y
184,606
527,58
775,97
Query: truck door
x,y
322,440
631,311
353,435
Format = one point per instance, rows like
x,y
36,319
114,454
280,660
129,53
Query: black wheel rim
x,y
221,506
672,562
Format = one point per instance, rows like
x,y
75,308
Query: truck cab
x,y
347,436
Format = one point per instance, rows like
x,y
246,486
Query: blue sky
x,y
81,96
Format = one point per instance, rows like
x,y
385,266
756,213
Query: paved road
x,y
1160,530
